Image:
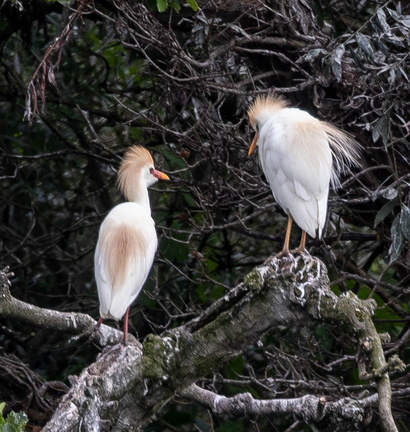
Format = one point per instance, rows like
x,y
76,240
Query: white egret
x,y
300,156
127,240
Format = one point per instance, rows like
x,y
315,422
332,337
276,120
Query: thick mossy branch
x,y
348,312
127,386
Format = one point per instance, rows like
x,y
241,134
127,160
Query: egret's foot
x,y
284,252
300,251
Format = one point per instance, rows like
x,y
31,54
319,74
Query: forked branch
x,y
133,384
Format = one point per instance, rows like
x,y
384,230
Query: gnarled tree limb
x,y
126,387
311,409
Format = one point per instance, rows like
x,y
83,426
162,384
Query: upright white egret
x,y
127,240
300,156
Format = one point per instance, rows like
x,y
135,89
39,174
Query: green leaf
x,y
193,4
357,59
14,422
162,5
382,128
336,61
176,5
17,421
405,222
397,240
364,43
385,211
2,405
381,18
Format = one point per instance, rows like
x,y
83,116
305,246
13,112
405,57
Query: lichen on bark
x,y
127,386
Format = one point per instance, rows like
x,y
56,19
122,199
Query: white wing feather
x,y
124,255
297,161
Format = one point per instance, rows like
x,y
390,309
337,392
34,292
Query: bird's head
x,y
137,171
260,111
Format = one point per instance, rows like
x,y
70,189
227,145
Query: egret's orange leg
x,y
99,322
285,250
125,340
302,245
301,249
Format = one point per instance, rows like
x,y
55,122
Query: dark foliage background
x,y
179,82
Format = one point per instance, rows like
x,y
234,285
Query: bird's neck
x,y
135,189
140,195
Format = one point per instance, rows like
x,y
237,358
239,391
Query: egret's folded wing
x,y
124,255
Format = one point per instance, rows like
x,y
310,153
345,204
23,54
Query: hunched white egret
x,y
127,240
300,156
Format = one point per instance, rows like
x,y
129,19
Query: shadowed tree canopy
x,y
225,338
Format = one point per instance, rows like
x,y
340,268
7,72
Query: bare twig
x,y
45,70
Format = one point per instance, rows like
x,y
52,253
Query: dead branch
x,y
45,70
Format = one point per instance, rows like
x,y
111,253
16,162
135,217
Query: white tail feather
x,y
345,151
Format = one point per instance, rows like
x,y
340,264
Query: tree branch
x,y
133,384
68,322
310,409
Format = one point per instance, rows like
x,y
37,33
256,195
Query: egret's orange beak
x,y
159,175
253,144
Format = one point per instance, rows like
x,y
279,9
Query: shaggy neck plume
x,y
134,174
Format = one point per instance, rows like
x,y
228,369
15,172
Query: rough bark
x,y
127,386
312,409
